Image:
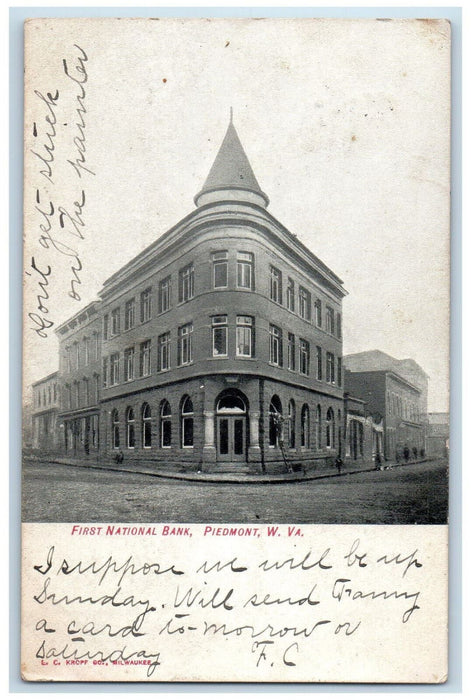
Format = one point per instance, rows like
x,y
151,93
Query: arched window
x,y
330,429
305,426
115,428
146,425
165,424
275,421
291,425
187,422
319,426
130,428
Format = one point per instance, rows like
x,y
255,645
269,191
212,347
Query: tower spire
x,y
231,176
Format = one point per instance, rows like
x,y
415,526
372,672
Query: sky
x,y
345,124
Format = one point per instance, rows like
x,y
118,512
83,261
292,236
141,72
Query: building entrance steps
x,y
187,473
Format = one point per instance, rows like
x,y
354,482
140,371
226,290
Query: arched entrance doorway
x,y
231,427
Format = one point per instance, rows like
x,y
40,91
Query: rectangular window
x,y
185,351
244,336
86,392
303,356
164,351
77,355
330,368
114,369
219,331
96,338
276,291
304,304
339,326
68,363
115,321
105,372
128,364
144,358
318,313
97,388
86,351
146,305
129,314
245,276
165,289
329,320
339,371
105,327
276,346
186,283
220,269
291,352
319,362
290,294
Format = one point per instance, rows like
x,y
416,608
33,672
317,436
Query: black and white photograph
x,y
236,286
254,298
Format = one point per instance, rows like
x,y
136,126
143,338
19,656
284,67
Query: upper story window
x,y
319,362
276,346
290,294
245,273
339,326
339,371
219,333
330,368
163,351
303,356
86,391
304,304
114,369
129,364
220,269
146,305
318,313
276,291
68,364
76,355
185,349
186,283
86,351
130,314
291,352
165,289
144,358
106,327
329,320
105,372
96,344
245,346
115,321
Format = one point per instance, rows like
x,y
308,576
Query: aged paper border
x,y
16,16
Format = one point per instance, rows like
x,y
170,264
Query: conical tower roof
x,y
231,176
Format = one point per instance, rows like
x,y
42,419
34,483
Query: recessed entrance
x,y
231,424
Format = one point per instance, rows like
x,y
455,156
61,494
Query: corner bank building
x,y
219,347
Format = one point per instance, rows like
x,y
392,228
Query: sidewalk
x,y
152,469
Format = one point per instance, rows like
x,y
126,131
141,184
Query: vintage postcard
x,y
236,321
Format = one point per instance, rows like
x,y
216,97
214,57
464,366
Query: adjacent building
x,y
364,434
437,435
44,414
217,347
395,390
80,381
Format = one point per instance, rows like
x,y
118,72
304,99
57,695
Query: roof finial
x,y
231,115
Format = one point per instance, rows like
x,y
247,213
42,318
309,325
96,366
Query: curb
x,y
226,478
